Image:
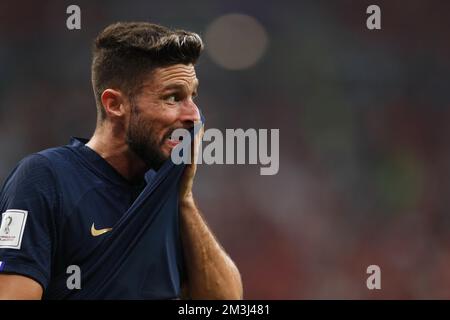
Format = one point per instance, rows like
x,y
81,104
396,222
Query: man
x,y
75,205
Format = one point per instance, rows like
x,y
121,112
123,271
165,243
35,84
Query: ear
x,y
113,102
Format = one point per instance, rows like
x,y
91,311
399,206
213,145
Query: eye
x,y
172,98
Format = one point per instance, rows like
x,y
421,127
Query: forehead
x,y
176,74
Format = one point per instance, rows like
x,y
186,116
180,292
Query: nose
x,y
190,114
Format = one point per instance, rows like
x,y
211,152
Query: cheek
x,y
162,118
160,128
166,120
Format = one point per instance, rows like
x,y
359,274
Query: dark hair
x,y
124,53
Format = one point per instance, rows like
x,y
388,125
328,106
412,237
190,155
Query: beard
x,y
142,139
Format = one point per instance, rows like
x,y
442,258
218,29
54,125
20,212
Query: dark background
x,y
363,118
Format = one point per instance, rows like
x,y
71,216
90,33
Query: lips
x,y
172,142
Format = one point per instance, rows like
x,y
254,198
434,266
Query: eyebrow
x,y
179,86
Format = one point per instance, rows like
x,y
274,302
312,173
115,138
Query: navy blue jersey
x,y
67,206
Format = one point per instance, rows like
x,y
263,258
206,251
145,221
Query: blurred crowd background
x,y
364,158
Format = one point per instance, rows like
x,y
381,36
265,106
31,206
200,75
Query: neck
x,y
111,145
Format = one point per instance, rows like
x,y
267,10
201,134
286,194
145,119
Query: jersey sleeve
x,y
29,204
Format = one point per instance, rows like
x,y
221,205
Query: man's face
x,y
165,103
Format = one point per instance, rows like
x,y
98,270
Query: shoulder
x,y
44,159
37,169
32,165
47,162
32,173
55,155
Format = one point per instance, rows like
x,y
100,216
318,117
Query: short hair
x,y
124,53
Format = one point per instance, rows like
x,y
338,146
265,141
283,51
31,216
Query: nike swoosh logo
x,y
99,232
